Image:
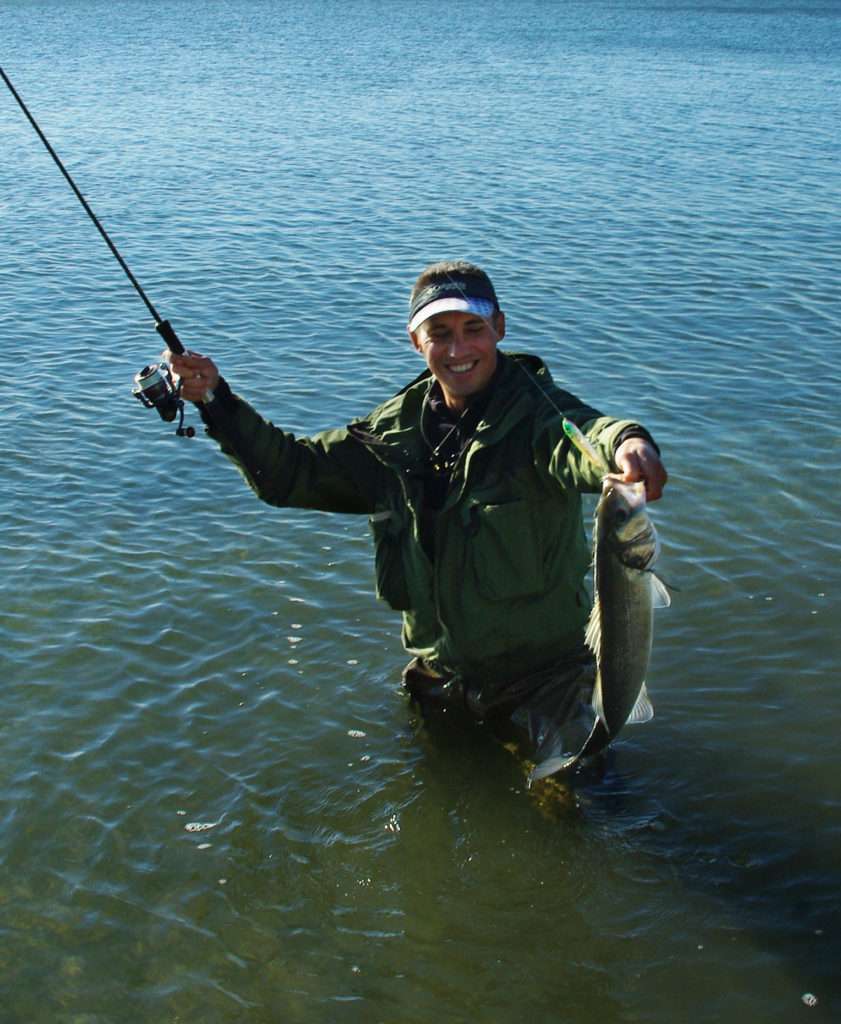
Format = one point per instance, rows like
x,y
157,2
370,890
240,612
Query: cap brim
x,y
454,304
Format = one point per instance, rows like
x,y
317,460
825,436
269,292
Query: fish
x,y
620,630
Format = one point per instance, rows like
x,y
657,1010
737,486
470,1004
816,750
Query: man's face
x,y
460,350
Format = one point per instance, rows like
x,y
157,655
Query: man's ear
x,y
413,337
499,324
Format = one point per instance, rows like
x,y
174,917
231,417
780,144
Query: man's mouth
x,y
462,367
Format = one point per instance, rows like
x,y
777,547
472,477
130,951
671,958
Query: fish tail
x,y
598,739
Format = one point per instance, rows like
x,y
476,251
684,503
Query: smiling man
x,y
473,494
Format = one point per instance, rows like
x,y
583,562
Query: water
x,y
655,190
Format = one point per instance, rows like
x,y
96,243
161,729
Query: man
x,y
473,493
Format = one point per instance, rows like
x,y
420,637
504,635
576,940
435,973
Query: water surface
x,y
655,190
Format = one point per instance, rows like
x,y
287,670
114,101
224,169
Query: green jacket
x,y
504,596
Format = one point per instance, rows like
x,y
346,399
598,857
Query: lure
x,y
584,446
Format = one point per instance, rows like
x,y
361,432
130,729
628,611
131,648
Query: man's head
x,y
455,323
451,285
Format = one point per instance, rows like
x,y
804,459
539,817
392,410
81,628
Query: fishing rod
x,y
153,385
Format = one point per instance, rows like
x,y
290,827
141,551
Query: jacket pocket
x,y
389,537
505,550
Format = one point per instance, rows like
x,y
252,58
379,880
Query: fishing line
x,y
163,327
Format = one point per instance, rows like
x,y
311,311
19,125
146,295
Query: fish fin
x,y
660,596
593,635
596,702
643,710
593,639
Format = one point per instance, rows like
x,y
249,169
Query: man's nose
x,y
456,341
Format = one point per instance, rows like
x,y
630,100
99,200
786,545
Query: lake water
x,y
655,189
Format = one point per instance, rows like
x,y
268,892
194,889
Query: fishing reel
x,y
155,388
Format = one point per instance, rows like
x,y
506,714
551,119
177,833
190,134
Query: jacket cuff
x,y
223,404
635,431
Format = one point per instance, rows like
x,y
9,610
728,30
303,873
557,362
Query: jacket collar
x,y
392,430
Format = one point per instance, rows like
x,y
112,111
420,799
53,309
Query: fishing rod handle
x,y
167,332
